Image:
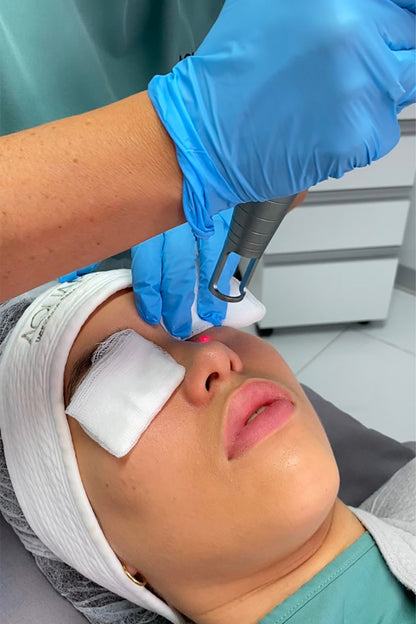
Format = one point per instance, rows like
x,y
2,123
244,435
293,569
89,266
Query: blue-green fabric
x,y
357,587
65,57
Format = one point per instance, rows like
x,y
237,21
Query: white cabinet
x,y
327,292
409,112
334,259
343,225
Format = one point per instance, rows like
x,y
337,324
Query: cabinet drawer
x,y
326,292
409,112
341,226
397,168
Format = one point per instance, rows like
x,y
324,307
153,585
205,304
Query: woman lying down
x,y
187,478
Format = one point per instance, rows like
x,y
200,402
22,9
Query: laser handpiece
x,y
252,227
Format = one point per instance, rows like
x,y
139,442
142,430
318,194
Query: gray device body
x,y
252,227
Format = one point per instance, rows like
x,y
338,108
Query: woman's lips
x,y
240,435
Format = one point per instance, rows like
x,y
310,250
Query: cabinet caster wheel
x,y
364,322
264,333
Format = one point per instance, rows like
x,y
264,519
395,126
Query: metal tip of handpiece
x,y
245,280
213,284
228,298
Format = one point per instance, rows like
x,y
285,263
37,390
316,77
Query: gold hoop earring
x,y
142,582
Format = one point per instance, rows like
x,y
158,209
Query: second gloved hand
x,y
165,272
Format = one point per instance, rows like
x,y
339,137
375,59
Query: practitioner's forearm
x,y
81,189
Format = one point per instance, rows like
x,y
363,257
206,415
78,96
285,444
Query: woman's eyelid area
x,y
81,367
83,364
202,344
77,374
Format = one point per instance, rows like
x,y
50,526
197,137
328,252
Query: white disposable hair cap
x,y
36,436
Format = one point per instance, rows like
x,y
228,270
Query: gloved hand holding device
x,y
282,95
279,96
173,268
202,84
165,275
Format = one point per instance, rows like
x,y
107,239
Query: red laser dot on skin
x,y
203,339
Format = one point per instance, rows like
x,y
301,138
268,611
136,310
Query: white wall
x,y
408,251
407,258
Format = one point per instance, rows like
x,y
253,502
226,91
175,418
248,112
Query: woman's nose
x,y
207,366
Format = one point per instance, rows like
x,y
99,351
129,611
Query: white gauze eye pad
x,y
129,382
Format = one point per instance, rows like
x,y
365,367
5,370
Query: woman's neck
x,y
341,529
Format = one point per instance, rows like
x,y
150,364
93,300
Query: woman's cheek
x,y
315,481
257,355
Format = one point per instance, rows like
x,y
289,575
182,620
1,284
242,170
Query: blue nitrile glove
x,y
70,277
281,95
165,272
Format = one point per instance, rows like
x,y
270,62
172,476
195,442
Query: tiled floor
x,y
367,370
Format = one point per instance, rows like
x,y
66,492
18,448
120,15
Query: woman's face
x,y
176,507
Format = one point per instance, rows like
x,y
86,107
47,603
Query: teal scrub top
x,y
357,587
66,57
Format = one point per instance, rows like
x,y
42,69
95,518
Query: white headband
x,y
37,441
